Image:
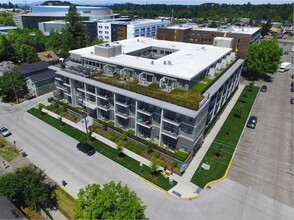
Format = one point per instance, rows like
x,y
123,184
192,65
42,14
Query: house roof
x,y
33,67
48,74
48,56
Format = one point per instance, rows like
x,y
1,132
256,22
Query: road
x,y
55,153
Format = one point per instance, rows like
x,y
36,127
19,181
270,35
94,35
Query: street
x,y
56,154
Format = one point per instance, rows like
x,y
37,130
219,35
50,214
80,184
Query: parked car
x,y
252,122
292,88
86,148
4,131
292,101
263,88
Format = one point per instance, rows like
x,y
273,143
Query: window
x,y
161,52
106,32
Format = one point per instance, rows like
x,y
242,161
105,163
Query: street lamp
x,y
84,114
14,144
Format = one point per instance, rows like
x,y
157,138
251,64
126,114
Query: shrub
x,y
131,131
175,163
181,155
149,148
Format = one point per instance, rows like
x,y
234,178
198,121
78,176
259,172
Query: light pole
x,y
84,114
14,144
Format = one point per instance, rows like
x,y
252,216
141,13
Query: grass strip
x,y
106,150
222,148
65,203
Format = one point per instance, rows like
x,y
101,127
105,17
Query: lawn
x,y
65,203
105,150
7,151
222,148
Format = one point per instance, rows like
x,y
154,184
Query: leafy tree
x,y
10,81
291,18
74,34
97,41
113,201
263,57
277,18
26,185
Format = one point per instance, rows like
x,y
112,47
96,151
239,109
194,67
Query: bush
x,y
175,164
131,131
181,155
149,148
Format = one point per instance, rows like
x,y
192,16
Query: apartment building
x,y
167,92
114,30
191,33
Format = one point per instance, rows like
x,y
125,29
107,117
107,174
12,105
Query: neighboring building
x,y
243,36
48,26
39,78
52,13
5,29
149,86
112,30
8,210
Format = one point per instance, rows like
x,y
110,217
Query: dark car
x,y
86,148
252,122
292,89
263,88
292,101
286,52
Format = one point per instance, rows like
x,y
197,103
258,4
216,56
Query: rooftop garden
x,y
188,99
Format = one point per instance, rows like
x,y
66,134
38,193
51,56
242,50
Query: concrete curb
x,y
147,181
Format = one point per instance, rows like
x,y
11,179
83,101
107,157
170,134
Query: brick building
x,y
243,36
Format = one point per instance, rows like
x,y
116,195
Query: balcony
x,y
66,84
58,78
124,115
175,121
104,107
145,111
90,104
122,103
170,133
61,87
81,89
103,96
144,123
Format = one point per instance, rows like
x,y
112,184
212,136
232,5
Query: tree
x,y
265,28
74,34
7,51
26,185
113,201
263,57
97,41
12,85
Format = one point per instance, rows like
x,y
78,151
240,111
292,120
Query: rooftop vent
x,y
169,62
203,48
164,62
152,62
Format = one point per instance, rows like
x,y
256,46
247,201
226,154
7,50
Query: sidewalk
x,y
211,136
184,189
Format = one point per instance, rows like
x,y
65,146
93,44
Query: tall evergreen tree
x,y
75,32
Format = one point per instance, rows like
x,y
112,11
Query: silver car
x,y
4,131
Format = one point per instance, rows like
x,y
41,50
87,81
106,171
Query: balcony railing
x,y
170,133
145,123
175,121
103,106
122,103
103,96
145,111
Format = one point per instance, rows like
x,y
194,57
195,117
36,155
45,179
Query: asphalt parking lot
x,y
264,159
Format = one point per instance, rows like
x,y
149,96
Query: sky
x,y
186,2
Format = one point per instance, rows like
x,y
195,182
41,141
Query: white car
x,y
4,131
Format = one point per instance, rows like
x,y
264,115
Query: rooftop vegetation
x,y
188,99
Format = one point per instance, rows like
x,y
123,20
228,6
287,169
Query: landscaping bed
x,y
65,203
106,150
220,153
7,151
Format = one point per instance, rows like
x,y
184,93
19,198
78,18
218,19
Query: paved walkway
x,y
184,189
